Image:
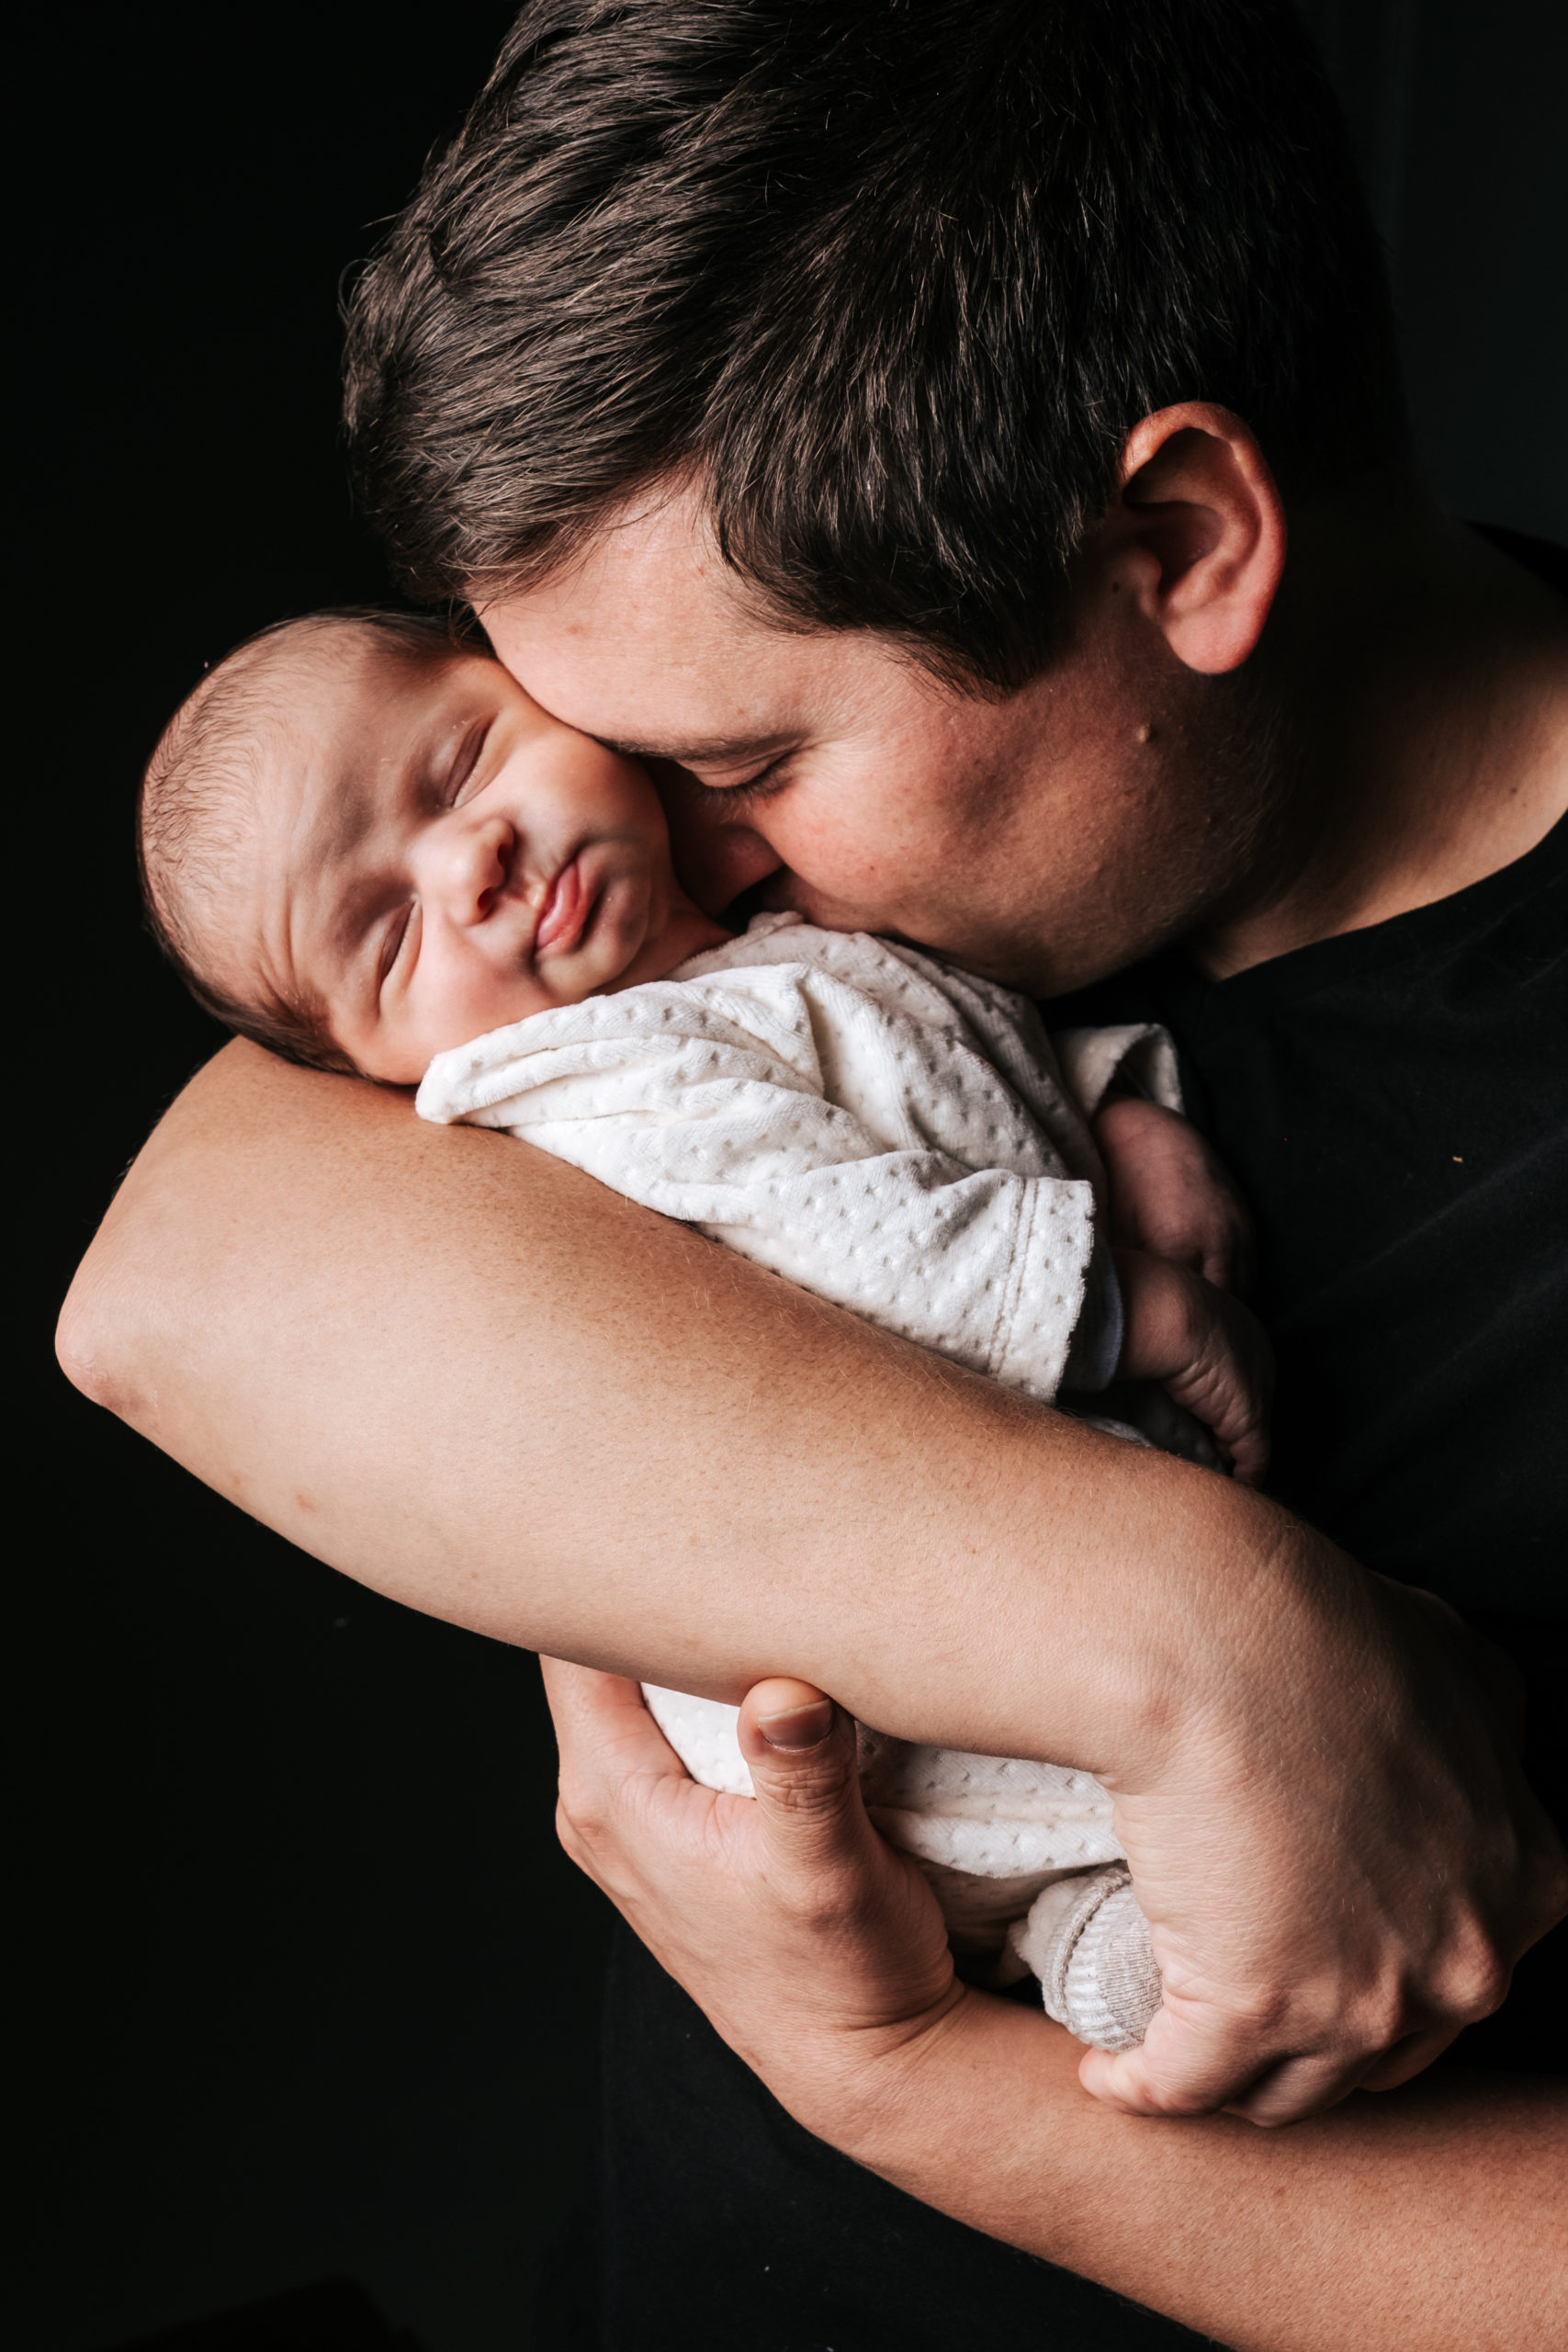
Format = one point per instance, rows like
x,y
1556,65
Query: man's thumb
x,y
800,1749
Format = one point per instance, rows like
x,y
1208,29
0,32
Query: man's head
x,y
864,305
363,844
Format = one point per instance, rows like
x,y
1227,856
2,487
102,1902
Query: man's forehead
x,y
652,641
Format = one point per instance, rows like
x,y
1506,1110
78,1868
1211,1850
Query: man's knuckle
x,y
823,1906
573,1845
1178,2099
807,1795
1379,2018
1476,1984
579,1806
1255,2014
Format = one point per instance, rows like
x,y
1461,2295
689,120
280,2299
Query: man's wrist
x,y
1269,1587
873,2093
923,2112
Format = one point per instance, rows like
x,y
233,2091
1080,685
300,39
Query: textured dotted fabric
x,y
905,1140
990,1831
896,1136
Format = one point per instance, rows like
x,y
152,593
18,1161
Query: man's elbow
x,y
131,1331
95,1342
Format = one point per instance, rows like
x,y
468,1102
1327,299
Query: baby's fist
x,y
1171,1195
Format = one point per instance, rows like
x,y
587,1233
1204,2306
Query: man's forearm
x,y
1417,2221
483,1383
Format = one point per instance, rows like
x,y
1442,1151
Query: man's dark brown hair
x,y
893,280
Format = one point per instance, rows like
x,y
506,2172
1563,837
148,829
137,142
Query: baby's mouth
x,y
563,918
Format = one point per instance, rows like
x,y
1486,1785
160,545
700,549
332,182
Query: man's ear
x,y
1197,532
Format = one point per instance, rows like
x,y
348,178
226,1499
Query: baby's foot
x,y
1087,1940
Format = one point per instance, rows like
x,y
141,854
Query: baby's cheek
x,y
495,1002
455,1006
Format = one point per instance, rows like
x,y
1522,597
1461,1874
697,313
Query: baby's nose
x,y
470,869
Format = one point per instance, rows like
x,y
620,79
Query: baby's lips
x,y
564,912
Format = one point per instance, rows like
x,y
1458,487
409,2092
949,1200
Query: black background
x,y
313,1991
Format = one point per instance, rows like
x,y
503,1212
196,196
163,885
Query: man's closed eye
x,y
767,781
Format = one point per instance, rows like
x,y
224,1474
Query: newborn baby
x,y
366,847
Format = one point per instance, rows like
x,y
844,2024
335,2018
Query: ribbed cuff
x,y
1101,1326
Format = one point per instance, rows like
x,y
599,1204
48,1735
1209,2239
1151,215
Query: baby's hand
x,y
1205,1349
1170,1195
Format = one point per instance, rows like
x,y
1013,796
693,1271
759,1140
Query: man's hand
x,y
1172,1196
818,1953
1388,1960
816,1949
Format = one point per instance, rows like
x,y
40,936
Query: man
x,y
961,444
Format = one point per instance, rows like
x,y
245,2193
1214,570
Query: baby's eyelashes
x,y
465,765
394,941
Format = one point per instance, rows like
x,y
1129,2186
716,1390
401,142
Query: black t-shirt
x,y
1395,1104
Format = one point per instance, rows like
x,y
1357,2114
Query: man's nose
x,y
466,867
716,856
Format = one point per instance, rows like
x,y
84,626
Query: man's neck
x,y
1420,682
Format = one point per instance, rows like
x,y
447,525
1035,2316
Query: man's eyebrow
x,y
714,747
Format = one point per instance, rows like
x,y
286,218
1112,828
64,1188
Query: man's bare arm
x,y
487,1385
477,1381
1420,2222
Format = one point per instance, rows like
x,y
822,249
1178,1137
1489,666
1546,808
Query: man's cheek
x,y
849,846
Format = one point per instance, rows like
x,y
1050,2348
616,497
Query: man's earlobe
x,y
1198,528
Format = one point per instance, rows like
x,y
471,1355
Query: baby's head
x,y
363,844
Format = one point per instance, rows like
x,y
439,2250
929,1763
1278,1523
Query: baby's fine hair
x,y
193,823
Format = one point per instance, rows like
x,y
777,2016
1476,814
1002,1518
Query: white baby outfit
x,y
905,1140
